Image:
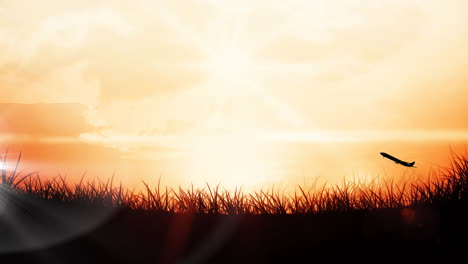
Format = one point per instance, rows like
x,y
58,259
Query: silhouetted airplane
x,y
397,161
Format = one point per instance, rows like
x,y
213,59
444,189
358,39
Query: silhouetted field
x,y
92,221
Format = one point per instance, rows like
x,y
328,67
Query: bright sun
x,y
230,65
234,86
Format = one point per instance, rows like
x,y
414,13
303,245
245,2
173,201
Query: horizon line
x,y
319,136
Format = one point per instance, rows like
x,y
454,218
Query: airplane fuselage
x,y
396,160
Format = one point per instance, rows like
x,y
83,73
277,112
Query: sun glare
x,y
289,69
230,65
232,161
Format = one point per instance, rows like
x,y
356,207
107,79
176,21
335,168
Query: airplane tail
x,y
412,163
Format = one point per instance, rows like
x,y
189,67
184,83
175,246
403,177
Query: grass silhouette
x,y
421,221
446,186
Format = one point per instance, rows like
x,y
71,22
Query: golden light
x,y
299,71
230,160
232,7
230,65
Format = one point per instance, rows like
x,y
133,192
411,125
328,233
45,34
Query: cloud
x,y
87,52
137,64
40,61
54,84
44,120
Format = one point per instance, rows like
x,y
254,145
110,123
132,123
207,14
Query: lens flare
x,y
3,166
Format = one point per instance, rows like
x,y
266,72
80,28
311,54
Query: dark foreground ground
x,y
437,234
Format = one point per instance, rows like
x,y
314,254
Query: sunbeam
x,y
284,111
168,17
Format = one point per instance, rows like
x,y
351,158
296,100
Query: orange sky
x,y
149,78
